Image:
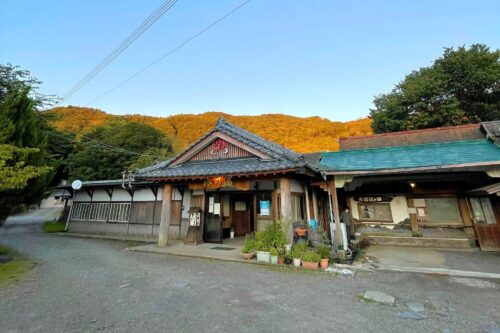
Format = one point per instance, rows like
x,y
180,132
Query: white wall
x,y
120,194
81,196
399,209
144,194
186,203
100,195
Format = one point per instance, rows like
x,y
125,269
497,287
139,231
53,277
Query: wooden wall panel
x,y
233,152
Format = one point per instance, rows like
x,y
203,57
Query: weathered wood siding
x,y
233,152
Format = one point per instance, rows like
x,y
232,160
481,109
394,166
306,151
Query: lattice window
x,y
119,212
80,211
99,212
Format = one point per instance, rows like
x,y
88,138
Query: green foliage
x,y
249,245
460,87
273,251
54,226
324,252
274,236
26,168
114,147
14,270
299,249
309,255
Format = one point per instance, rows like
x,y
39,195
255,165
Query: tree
x,y
106,151
463,86
25,166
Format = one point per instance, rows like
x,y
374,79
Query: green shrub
x,y
273,251
298,250
310,255
249,244
324,251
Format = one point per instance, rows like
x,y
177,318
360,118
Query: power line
x,y
101,145
120,48
169,52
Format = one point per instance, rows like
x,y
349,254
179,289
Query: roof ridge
x,y
403,147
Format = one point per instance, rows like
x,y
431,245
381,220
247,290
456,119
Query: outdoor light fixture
x,y
413,185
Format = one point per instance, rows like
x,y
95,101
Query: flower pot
x,y
288,261
263,256
310,265
231,234
324,263
247,256
296,262
274,260
281,260
300,231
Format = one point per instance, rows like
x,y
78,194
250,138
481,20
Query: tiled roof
x,y
281,158
413,137
415,156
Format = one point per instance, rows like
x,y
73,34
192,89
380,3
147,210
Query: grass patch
x,y
54,226
14,270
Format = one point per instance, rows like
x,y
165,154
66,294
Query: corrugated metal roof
x,y
424,155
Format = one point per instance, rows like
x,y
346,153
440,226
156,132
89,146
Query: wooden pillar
x,y
415,229
306,196
315,204
166,213
336,213
286,206
466,218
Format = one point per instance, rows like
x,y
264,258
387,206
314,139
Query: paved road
x,y
90,285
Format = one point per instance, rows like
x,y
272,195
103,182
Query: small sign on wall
x,y
265,207
240,206
374,198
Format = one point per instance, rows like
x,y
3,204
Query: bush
x,y
249,244
298,250
273,251
310,255
324,252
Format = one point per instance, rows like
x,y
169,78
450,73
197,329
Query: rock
x,y
342,271
411,315
377,296
416,307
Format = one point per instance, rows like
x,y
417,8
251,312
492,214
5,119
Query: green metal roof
x,y
415,156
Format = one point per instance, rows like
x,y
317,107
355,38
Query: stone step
x,y
453,243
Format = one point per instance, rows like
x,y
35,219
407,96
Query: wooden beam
x,y
286,206
336,213
415,229
166,213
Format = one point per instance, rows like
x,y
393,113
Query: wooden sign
x,y
378,198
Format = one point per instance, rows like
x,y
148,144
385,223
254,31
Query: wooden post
x,y
463,207
315,204
415,229
306,195
286,206
336,214
166,211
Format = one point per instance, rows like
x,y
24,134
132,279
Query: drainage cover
x,y
223,248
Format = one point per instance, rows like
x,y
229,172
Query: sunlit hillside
x,y
300,134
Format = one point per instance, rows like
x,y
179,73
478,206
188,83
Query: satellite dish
x,y
76,185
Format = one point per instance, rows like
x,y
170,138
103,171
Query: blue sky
x,y
303,58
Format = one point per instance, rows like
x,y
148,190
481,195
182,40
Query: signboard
x,y
375,198
240,206
265,207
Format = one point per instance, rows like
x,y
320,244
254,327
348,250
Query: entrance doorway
x,y
241,213
486,223
213,220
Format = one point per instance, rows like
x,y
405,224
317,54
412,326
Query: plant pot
x,y
324,263
281,260
247,256
231,234
288,261
310,265
274,260
300,231
296,262
263,256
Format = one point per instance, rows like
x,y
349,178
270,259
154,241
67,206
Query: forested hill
x,y
300,134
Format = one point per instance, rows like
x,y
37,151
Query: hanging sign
x,y
219,147
218,181
374,198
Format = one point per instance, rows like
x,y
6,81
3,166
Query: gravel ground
x,y
90,285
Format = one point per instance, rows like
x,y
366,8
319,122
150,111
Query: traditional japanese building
x,y
433,187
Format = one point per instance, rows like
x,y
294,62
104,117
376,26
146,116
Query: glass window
x,y
264,204
482,210
437,210
375,212
298,207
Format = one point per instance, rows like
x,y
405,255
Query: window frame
x,y
362,219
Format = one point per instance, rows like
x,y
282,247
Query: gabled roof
x,y
276,157
433,155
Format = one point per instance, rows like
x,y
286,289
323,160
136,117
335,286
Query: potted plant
x,y
310,259
297,251
281,256
247,252
274,255
261,247
324,253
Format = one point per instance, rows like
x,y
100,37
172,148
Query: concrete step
x,y
452,243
